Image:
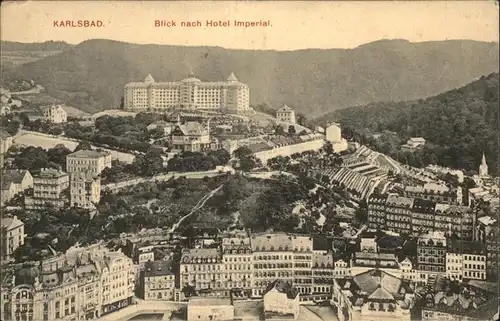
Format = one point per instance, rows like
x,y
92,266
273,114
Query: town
x,y
190,204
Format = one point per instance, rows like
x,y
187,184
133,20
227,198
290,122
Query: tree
x,y
291,130
242,152
278,130
361,213
84,145
328,148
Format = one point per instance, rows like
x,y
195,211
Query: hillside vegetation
x,y
37,46
92,74
459,125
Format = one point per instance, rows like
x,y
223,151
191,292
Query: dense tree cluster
x,y
245,159
34,158
125,133
58,228
198,161
458,125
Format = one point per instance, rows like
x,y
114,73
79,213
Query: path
x,y
198,205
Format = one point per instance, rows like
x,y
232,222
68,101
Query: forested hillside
x,y
459,125
91,75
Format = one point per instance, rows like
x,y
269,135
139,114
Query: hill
x,y
35,46
92,74
459,125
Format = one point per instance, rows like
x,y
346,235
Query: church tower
x,y
483,168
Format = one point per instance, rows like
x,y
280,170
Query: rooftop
x,y
209,301
14,175
157,268
89,154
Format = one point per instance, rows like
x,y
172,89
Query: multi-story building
x,y
82,284
272,259
158,281
202,269
436,192
54,114
85,190
286,115
323,274
12,236
88,160
48,187
372,295
192,136
465,260
488,233
191,93
22,179
431,256
281,301
414,216
237,268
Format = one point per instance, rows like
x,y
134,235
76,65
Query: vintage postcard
x,y
249,160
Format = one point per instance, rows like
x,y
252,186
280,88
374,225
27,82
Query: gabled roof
x,y
285,108
381,294
232,77
14,175
10,222
192,128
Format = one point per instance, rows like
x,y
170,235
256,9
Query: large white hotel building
x,y
229,96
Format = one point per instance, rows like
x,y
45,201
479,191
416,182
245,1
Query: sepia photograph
x,y
249,160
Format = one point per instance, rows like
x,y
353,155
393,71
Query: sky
x,y
294,25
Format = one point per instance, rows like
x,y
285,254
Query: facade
x,y
202,270
431,256
88,160
281,301
8,192
488,233
22,179
210,309
192,136
275,146
286,115
323,275
436,192
190,94
415,216
333,134
483,168
243,267
85,190
12,236
82,284
372,295
158,281
48,187
54,114
465,260
237,257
